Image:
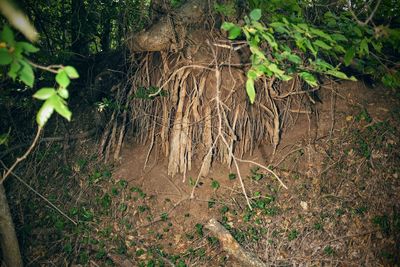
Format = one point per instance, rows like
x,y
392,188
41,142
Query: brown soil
x,y
341,208
311,162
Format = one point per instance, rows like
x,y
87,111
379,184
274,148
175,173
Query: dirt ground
x,y
341,206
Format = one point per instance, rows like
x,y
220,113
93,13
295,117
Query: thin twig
x,y
51,68
265,168
40,195
363,23
23,157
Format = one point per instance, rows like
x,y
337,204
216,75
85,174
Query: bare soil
x,y
341,208
330,213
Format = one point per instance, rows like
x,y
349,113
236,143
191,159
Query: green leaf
x,y
339,49
251,92
234,32
322,44
256,51
60,107
339,37
357,31
340,75
364,47
310,47
7,36
294,58
274,68
4,138
45,93
14,68
309,78
377,46
270,39
227,26
63,92
27,47
277,24
348,57
26,74
279,27
320,65
251,74
44,113
5,57
255,14
321,34
215,184
71,72
62,78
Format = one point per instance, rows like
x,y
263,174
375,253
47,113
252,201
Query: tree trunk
x,y
78,28
8,238
163,34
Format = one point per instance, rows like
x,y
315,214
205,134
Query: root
x,y
198,110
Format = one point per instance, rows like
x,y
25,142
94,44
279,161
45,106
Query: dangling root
x,y
200,110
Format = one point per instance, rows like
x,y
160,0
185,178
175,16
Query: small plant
x,y
383,222
232,176
215,184
273,211
212,240
164,216
142,208
122,207
192,182
363,116
199,229
224,209
255,175
293,235
328,250
340,212
248,215
318,226
211,203
106,201
360,210
122,183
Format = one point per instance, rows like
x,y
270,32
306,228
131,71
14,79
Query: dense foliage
x,y
288,39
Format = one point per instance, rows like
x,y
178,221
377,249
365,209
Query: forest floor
x,y
341,208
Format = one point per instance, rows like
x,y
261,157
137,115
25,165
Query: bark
x,y
162,34
8,238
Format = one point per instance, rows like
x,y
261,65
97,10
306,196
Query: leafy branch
x,y
13,54
285,48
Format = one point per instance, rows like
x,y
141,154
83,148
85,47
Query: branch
x,y
231,246
51,68
23,157
363,23
40,195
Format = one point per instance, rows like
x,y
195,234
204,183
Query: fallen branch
x,y
51,139
231,246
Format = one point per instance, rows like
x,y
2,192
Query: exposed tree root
x,y
196,109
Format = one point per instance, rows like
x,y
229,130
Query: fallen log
x,y
231,246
